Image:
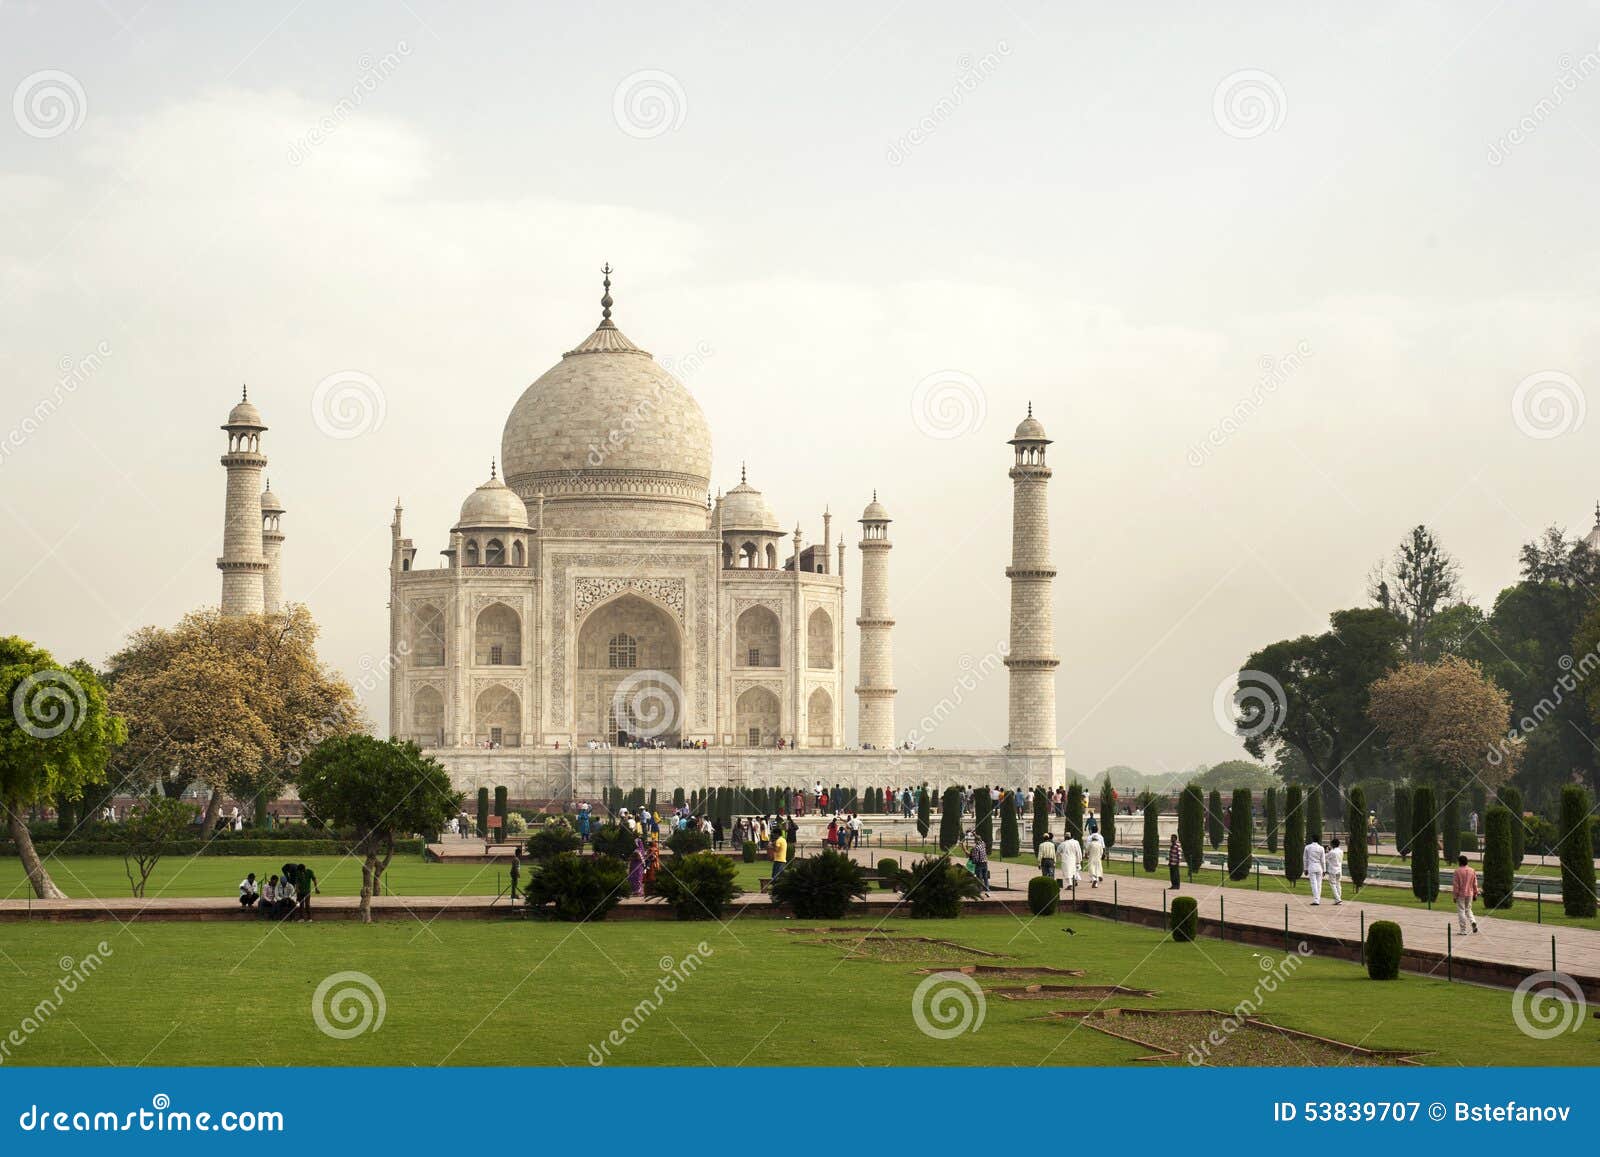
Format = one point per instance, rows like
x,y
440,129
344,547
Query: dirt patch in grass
x,y
1069,992
1008,972
907,950
1217,1039
841,929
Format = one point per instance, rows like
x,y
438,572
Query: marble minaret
x,y
272,550
1031,659
242,564
875,694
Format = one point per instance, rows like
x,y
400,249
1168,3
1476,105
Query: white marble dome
x,y
493,505
611,439
745,508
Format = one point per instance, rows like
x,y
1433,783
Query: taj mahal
x,y
600,617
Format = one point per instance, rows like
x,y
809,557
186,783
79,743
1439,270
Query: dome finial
x,y
492,464
244,392
874,494
605,300
742,478
1030,408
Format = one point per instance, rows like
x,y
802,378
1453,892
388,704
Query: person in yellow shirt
x,y
780,853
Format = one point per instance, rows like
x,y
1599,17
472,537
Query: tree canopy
x,y
1447,719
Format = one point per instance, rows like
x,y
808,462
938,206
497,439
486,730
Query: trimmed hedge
x,y
1075,811
1466,842
1241,829
1450,827
1424,845
983,816
1356,828
1272,819
1577,853
1152,832
1191,827
748,852
1108,812
1294,835
1041,816
950,818
1214,825
925,811
1010,837
1184,919
1498,872
1043,896
1314,814
889,869
1384,946
1511,799
1402,819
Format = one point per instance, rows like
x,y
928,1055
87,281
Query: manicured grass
x,y
523,992
103,876
1374,892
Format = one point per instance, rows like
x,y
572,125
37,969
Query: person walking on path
x,y
1333,866
1071,855
1174,861
1047,857
1096,854
1316,864
978,857
780,853
1464,888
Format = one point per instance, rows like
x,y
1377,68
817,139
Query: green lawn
x,y
522,992
103,876
1373,893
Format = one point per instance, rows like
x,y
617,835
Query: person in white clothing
x,y
1070,852
1333,865
1095,853
1315,866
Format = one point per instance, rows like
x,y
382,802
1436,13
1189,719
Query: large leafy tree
x,y
1419,580
379,789
1320,717
1448,721
233,702
57,733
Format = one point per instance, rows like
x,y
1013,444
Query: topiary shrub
x,y
1044,894
1498,872
1356,826
890,870
748,852
1294,835
983,817
1424,846
1152,832
699,886
1314,814
551,840
1450,826
1271,808
1402,819
950,818
613,840
1511,799
820,887
1214,826
1466,841
934,888
483,812
1184,919
1010,839
687,842
925,812
1075,811
1191,827
572,887
1576,849
1384,947
1108,812
1041,816
1241,831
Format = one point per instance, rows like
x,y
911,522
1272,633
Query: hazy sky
x,y
1272,276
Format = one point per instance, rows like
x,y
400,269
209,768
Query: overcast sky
x,y
1281,281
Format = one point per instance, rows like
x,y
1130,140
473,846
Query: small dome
x,y
875,511
1030,430
269,501
744,508
245,414
494,504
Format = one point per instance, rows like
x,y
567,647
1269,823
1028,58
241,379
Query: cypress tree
x,y
1214,819
1314,814
1041,816
483,812
1294,835
983,816
1402,819
1108,812
925,810
1511,798
1191,827
677,798
1450,827
950,818
1152,832
1272,819
1010,838
1498,872
1357,829
1240,830
500,809
1424,845
1075,812
1576,848
653,807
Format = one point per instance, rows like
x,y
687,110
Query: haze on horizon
x,y
1274,280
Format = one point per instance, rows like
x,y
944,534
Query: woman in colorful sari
x,y
636,869
652,863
